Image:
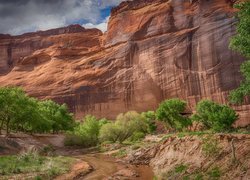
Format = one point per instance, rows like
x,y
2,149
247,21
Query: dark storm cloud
x,y
19,16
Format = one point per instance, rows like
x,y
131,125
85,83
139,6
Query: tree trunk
x,y
233,150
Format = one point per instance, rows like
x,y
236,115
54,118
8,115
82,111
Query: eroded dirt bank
x,y
204,156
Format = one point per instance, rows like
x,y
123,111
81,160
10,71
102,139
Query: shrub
x,y
215,116
150,120
86,133
137,136
124,127
170,111
109,132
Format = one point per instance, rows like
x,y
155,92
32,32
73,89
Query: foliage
x,y
57,114
210,146
150,118
215,116
170,111
137,136
181,168
214,173
241,43
86,133
198,176
237,96
109,132
20,112
124,127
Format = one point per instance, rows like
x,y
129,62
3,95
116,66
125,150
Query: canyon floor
x,y
191,155
88,164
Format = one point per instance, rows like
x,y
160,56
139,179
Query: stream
x,y
105,166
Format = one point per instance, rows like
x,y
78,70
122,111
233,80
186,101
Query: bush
x,y
170,111
109,132
137,136
215,116
124,127
150,120
86,133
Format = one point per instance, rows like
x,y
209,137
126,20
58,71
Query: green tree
x,y
56,116
215,116
10,111
170,112
241,43
20,112
30,119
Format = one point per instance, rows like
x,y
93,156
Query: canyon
x,y
153,50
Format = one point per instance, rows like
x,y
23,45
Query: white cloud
x,y
20,16
102,26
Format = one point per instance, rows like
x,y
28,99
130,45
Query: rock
x,y
153,50
78,170
124,174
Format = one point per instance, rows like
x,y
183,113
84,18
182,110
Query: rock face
x,y
153,50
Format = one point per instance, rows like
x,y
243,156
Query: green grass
x,y
181,168
214,173
32,163
210,146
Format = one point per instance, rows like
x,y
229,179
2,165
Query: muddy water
x,y
104,167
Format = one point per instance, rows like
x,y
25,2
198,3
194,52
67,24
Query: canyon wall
x,y
153,50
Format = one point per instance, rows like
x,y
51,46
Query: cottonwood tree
x,y
241,43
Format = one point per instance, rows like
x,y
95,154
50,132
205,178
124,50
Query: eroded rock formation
x,y
153,50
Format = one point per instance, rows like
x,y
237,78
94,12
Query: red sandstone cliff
x,y
153,50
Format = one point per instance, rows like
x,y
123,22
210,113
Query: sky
x,y
21,16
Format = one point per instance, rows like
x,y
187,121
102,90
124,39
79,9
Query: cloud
x,y
102,26
19,16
